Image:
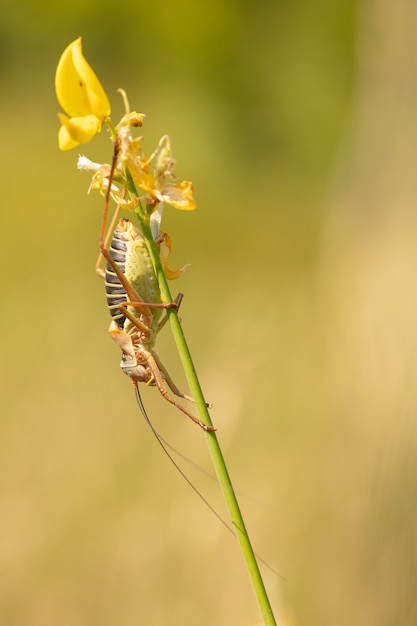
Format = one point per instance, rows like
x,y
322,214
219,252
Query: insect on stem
x,y
134,302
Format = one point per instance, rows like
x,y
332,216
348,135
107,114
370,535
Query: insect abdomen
x,y
129,251
114,289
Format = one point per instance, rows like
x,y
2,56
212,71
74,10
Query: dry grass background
x,y
300,310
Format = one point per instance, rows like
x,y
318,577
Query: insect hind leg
x,y
171,383
158,375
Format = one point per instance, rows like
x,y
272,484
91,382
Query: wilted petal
x,y
164,252
85,164
179,196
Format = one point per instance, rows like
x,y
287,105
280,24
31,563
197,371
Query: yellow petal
x,y
78,89
76,130
65,141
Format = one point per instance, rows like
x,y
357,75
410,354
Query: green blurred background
x,y
296,121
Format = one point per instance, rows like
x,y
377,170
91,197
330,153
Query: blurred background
x,y
296,121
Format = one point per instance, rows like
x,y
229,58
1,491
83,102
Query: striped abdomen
x,y
114,289
130,254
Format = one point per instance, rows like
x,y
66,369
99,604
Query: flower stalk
x,y
218,461
145,185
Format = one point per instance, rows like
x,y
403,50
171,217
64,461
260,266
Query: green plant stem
x,y
212,441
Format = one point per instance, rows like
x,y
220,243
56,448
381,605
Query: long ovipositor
x,y
130,253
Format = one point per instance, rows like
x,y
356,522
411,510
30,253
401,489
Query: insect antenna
x,y
165,445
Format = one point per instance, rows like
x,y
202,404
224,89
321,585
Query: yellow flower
x,y
82,97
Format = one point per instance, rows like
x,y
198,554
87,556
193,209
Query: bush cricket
x,y
135,305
